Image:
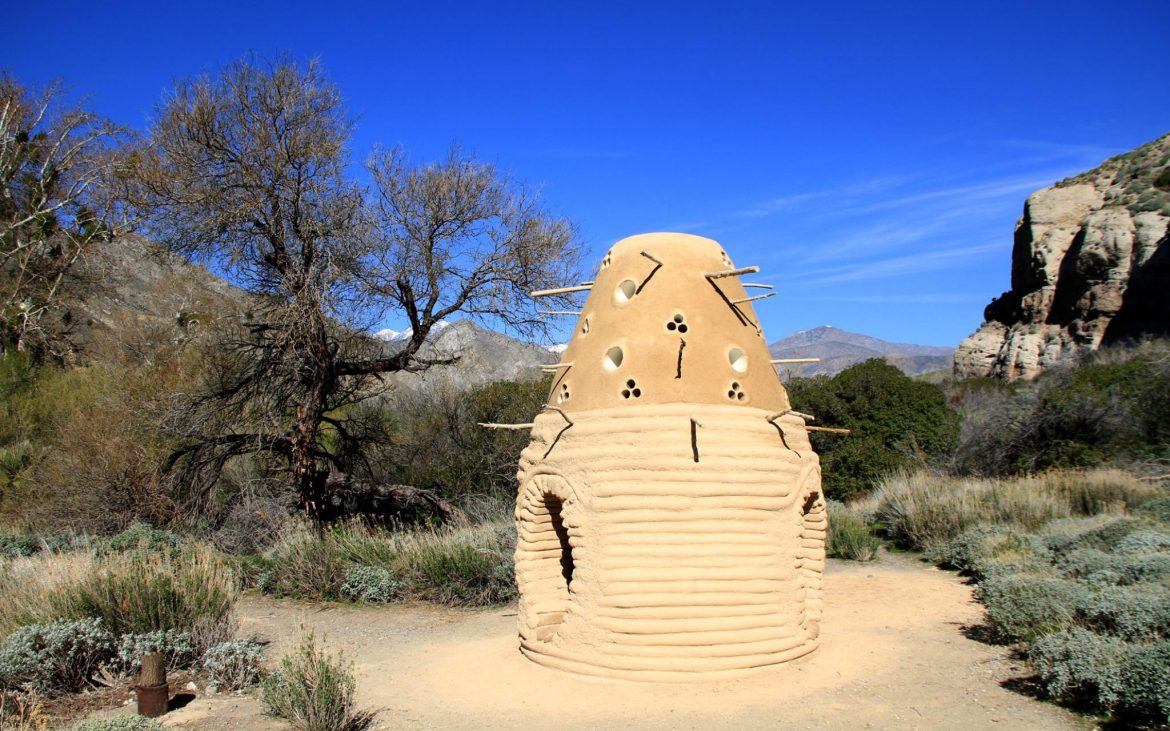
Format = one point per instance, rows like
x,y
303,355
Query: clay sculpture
x,y
670,518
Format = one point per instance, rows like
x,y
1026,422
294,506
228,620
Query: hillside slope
x,y
1090,267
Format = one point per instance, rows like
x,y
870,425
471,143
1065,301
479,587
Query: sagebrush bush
x,y
371,585
13,545
1157,509
986,551
176,647
54,657
849,536
1080,666
1021,607
144,537
234,664
313,691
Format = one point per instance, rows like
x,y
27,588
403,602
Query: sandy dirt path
x,y
894,656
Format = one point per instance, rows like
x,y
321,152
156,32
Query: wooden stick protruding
x,y
561,290
756,285
733,272
753,299
554,367
513,427
827,429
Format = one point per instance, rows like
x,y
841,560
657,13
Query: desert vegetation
x,y
156,468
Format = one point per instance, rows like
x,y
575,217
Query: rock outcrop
x,y
1090,267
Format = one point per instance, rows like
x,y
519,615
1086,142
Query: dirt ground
x,y
894,656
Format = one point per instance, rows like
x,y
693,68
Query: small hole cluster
x,y
677,323
631,390
563,393
608,260
735,393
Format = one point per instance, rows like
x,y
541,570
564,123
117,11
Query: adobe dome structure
x,y
670,519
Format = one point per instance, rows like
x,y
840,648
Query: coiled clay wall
x,y
670,520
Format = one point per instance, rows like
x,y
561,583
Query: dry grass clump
x,y
191,589
921,509
458,565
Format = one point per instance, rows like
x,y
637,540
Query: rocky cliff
x,y
1090,267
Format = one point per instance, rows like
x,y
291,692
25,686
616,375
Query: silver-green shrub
x,y
59,656
176,647
372,585
234,664
1023,606
1081,666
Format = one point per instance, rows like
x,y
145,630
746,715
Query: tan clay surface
x,y
893,656
669,517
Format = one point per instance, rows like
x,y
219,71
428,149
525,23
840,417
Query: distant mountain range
x,y
838,349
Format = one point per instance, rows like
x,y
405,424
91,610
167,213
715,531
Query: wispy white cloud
x,y
912,299
902,264
784,202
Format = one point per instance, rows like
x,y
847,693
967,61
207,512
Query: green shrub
x,y
1081,667
60,656
1143,541
849,536
987,551
313,691
896,422
142,536
120,723
1021,607
371,584
472,567
15,546
1132,612
176,647
234,664
1146,682
1157,509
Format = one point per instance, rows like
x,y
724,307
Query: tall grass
x,y
922,509
458,566
190,589
849,535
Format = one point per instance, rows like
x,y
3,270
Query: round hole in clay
x,y
637,392
741,396
671,326
731,394
682,328
678,318
585,326
738,360
625,291
625,393
612,360
735,385
631,383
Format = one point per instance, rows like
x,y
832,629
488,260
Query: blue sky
x,y
871,157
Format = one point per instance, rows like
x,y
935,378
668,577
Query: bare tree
x,y
54,206
248,170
